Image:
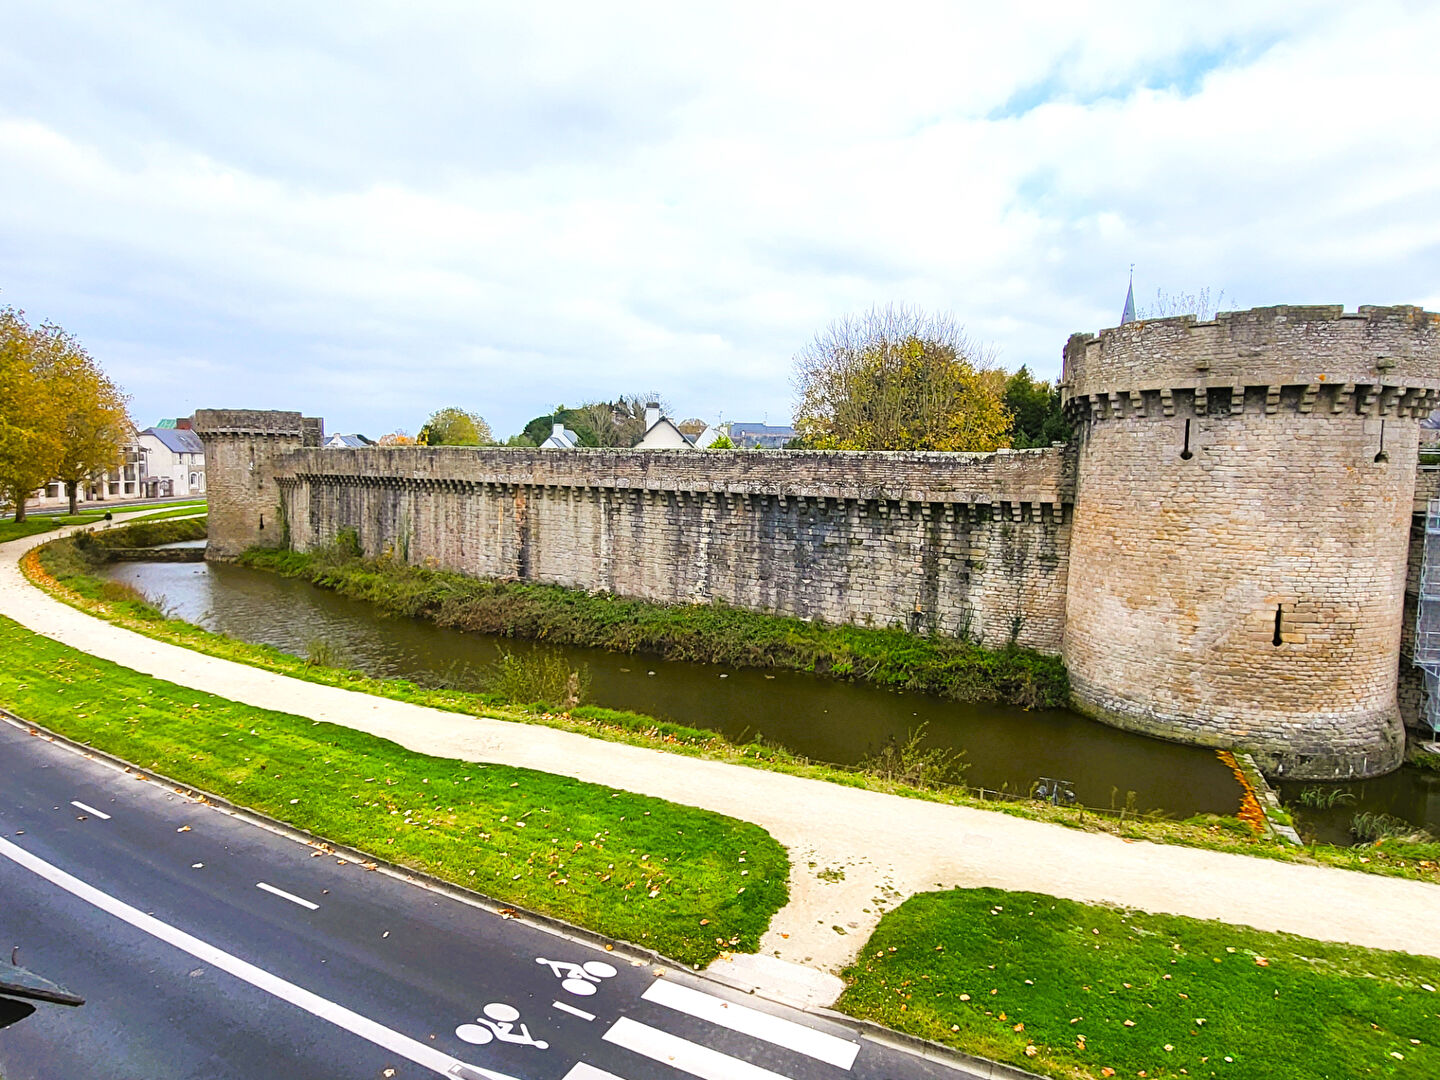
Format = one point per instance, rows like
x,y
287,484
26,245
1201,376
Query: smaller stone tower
x,y
241,447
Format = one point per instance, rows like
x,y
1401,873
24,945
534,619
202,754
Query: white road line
x,y
683,1054
353,1022
581,1071
90,810
572,1010
753,1022
287,896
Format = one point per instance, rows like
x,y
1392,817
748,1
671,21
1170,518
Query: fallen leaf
x,y
183,828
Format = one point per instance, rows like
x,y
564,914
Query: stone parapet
x,y
1021,478
1377,361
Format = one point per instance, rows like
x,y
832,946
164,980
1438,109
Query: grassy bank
x,y
1078,990
669,877
706,633
34,524
62,570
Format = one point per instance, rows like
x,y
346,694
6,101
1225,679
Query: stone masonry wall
x,y
241,447
954,544
1230,472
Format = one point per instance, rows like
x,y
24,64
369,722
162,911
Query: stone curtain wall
x,y
953,544
1185,547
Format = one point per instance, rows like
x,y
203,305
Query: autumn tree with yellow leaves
x,y
61,417
897,378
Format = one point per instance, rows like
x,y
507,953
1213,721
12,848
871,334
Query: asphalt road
x,y
208,947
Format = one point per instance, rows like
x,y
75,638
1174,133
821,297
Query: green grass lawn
x,y
39,523
174,512
687,882
9,530
1090,989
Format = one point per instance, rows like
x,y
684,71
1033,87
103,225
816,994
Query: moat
x,y
823,719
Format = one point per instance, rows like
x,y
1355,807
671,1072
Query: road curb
x,y
866,1029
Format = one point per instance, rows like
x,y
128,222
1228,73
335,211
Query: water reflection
x,y
823,719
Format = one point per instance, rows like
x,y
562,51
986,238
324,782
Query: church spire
x,y
1128,315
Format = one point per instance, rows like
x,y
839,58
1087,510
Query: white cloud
x,y
376,210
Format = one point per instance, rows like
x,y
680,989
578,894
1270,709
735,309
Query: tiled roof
x,y
177,440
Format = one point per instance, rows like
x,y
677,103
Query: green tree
x,y
92,412
31,418
721,443
1036,418
455,427
897,378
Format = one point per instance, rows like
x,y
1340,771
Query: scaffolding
x,y
1427,621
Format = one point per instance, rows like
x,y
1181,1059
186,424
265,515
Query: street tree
x,y
1036,418
898,378
52,392
95,422
455,427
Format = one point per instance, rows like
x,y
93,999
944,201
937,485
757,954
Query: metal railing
x,y
1427,620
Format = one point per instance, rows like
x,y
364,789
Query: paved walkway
x,y
887,847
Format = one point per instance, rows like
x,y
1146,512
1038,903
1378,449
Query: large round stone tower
x,y
1242,515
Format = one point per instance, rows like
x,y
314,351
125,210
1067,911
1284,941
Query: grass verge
x,y
1079,990
669,877
61,570
40,523
705,633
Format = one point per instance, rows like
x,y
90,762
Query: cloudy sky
x,y
367,211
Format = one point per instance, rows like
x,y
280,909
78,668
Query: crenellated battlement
x,y
1377,361
259,424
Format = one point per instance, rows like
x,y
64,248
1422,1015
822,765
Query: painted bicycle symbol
x,y
579,979
498,1023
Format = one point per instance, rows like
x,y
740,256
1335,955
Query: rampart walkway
x,y
888,847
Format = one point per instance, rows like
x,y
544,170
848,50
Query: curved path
x,y
887,847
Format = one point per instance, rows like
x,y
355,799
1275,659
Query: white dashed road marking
x,y
572,1010
90,810
382,1036
287,896
581,1071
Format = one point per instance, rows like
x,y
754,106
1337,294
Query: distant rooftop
x,y
176,440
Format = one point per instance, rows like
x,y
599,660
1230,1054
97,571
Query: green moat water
x,y
824,719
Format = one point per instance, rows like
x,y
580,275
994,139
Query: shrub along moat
x,y
703,633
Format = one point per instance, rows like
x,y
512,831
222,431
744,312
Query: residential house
x,y
760,436
175,460
561,438
125,481
347,442
662,433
